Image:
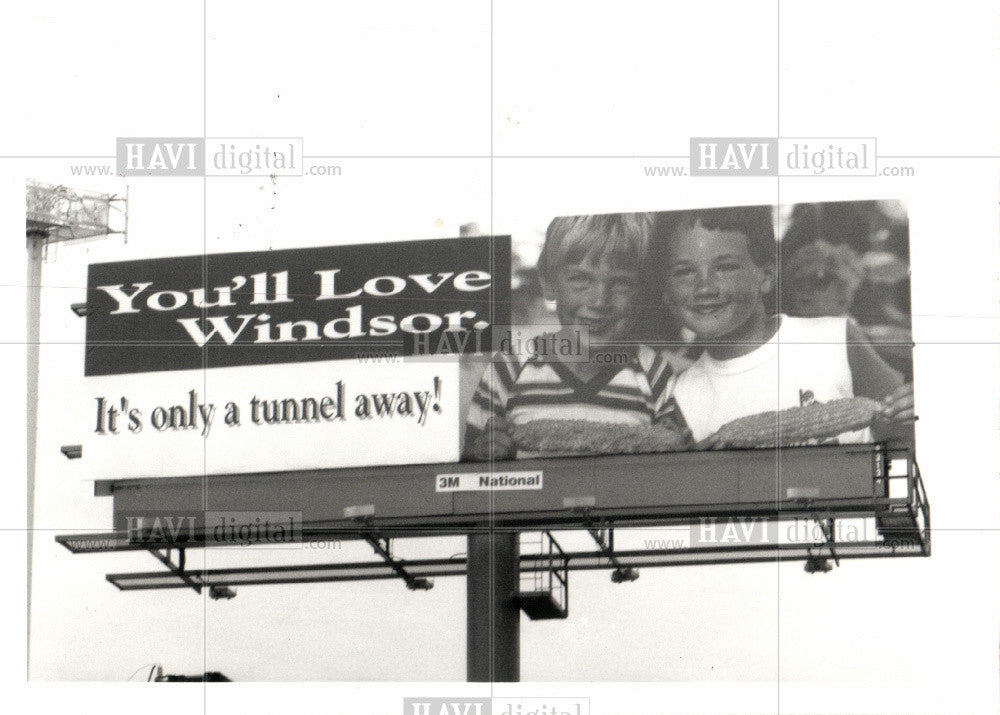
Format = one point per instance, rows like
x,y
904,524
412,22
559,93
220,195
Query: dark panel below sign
x,y
674,485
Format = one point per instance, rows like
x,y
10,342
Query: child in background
x,y
719,266
820,279
590,267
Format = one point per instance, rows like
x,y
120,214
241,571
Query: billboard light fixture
x,y
221,592
818,564
81,309
72,451
420,584
627,575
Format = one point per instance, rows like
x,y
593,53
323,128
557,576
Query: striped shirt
x,y
520,390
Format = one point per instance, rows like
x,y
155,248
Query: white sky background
x,y
569,80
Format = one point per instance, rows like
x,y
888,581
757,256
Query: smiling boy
x,y
590,268
719,270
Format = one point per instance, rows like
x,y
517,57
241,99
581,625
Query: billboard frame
x,y
896,509
494,566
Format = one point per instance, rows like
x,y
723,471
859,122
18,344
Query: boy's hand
x,y
495,442
897,406
895,413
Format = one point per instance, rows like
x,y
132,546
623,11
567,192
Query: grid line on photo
x,y
777,401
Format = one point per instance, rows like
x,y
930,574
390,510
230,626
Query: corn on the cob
x,y
585,437
797,425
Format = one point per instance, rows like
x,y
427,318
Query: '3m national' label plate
x,y
486,481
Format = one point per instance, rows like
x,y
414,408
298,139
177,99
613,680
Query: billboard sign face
x,y
290,359
724,328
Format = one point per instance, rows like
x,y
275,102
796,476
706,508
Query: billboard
x,y
705,329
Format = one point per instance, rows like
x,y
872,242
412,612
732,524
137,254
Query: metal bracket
x,y
383,547
817,563
178,568
605,540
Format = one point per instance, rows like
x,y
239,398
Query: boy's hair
x,y
754,222
622,239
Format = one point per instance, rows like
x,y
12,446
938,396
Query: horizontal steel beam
x,y
573,520
427,568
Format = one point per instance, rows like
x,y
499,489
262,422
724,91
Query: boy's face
x,y
597,295
713,283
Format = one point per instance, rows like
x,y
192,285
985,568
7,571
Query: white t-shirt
x,y
805,361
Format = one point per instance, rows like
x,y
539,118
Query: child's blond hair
x,y
621,239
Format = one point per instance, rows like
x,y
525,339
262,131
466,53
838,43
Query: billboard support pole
x,y
493,636
36,249
52,214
